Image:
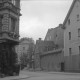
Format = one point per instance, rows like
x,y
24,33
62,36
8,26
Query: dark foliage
x,y
8,61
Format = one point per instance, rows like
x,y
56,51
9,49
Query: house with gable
x,y
71,27
49,52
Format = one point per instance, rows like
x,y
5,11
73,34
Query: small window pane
x,y
69,22
78,16
70,51
79,32
23,48
1,22
79,50
13,24
69,35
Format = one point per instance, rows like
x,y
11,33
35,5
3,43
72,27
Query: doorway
x,y
62,66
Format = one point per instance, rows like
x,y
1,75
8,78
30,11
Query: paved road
x,y
51,76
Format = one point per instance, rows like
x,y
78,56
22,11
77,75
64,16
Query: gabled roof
x,y
69,12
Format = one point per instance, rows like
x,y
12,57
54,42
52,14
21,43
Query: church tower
x,y
9,30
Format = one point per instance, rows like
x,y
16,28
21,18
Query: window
x,y
56,35
1,22
79,50
70,51
13,24
78,17
13,2
23,48
69,35
69,22
79,32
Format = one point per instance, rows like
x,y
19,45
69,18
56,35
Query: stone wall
x,y
51,61
72,63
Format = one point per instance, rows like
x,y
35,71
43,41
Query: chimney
x,y
40,39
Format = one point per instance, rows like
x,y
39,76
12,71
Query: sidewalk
x,y
21,76
56,72
65,73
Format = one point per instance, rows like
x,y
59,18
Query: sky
x,y
40,15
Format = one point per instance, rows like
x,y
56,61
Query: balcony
x,y
9,6
1,5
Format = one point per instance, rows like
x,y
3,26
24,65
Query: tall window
x,y
13,24
69,22
23,48
78,17
79,32
69,35
70,51
79,50
1,22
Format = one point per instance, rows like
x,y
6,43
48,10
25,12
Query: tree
x,y
25,57
30,54
24,60
8,60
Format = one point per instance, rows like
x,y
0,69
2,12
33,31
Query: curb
x,y
65,73
15,77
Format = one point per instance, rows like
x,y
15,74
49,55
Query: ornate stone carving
x,y
13,35
5,22
0,22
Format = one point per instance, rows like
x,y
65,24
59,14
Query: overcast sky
x,y
40,15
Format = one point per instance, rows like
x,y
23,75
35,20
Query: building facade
x,y
71,27
52,60
23,46
56,35
44,46
9,34
41,47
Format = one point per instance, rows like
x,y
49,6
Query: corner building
x,y
71,27
9,33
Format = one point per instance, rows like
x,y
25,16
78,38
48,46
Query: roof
x,y
26,39
69,12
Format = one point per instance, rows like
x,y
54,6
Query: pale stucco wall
x,y
72,62
74,43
